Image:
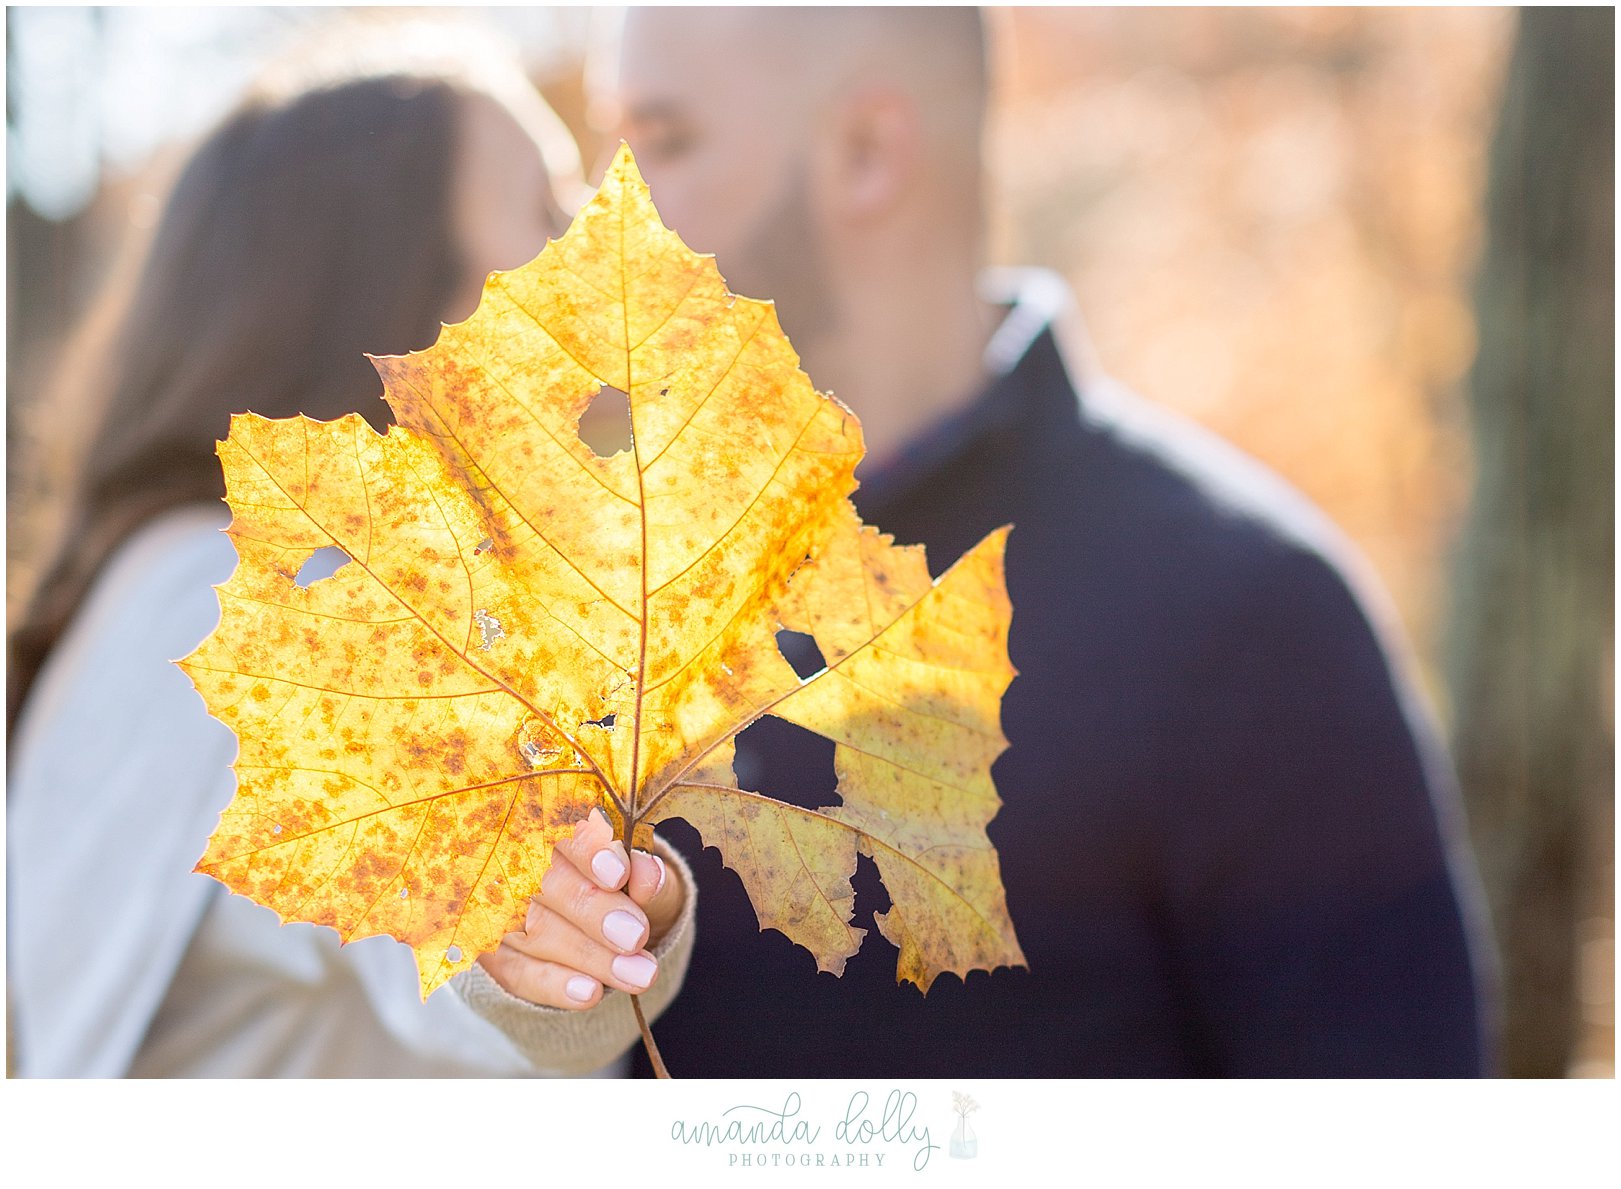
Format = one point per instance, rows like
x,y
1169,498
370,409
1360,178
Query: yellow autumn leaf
x,y
524,629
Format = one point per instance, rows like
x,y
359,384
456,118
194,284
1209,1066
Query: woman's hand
x,y
591,924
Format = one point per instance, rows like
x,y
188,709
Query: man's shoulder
x,y
1107,459
1162,520
1190,480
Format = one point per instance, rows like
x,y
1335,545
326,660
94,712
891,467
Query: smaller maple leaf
x,y
525,629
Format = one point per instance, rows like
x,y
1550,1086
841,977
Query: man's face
x,y
723,140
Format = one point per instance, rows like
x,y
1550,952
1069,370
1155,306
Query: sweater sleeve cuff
x,y
566,1043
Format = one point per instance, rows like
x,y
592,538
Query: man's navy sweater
x,y
1224,833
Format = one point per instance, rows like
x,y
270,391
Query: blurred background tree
x,y
1272,220
1532,665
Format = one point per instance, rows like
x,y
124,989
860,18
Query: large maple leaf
x,y
524,629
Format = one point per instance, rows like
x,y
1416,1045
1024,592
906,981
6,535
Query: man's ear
x,y
876,150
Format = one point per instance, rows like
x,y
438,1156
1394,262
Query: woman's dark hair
x,y
303,233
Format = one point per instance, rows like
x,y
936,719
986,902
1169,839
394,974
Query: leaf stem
x,y
636,1000
647,1039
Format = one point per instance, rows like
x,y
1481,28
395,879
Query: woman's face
x,y
502,203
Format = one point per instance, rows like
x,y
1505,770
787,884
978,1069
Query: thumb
x,y
657,886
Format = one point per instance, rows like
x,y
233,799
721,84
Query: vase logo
x,y
964,1143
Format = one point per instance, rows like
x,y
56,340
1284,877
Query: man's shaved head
x,y
731,112
801,60
818,55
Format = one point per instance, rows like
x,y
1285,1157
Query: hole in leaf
x,y
606,722
453,954
605,424
871,895
800,651
785,761
490,629
323,563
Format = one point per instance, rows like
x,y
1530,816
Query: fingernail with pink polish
x,y
580,989
622,929
657,862
608,868
635,970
